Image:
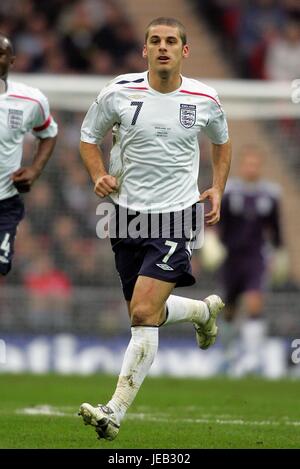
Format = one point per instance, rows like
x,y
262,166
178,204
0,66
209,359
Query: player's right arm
x,y
92,157
100,118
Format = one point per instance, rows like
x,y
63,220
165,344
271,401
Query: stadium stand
x,y
70,36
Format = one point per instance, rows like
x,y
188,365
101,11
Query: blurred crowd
x,y
71,36
262,37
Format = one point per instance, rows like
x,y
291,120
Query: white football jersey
x,y
22,109
155,153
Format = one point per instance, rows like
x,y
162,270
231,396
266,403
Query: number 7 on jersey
x,y
138,105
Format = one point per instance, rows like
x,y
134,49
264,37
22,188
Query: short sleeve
x,y
216,128
43,124
100,118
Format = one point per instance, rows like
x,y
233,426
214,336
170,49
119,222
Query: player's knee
x,y
142,315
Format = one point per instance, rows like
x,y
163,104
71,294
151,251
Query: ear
x,y
145,52
12,60
185,51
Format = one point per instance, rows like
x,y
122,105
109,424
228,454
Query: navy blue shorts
x,y
162,251
11,213
240,275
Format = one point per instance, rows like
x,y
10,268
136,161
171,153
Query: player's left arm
x,y
217,130
25,176
221,160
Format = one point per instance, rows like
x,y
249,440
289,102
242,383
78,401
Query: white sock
x,y
181,309
253,334
137,361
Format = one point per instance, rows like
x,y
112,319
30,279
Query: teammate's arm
x,y
221,159
92,157
25,176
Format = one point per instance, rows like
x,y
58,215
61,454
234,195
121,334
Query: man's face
x,y
164,49
6,58
251,167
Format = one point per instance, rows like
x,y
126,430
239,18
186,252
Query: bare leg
x,y
147,311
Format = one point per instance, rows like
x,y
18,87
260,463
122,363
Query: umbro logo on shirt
x,y
164,267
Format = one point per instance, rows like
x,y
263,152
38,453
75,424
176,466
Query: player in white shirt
x,y
22,109
156,117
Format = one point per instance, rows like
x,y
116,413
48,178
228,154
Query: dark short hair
x,y
168,22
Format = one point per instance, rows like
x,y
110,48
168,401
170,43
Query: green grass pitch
x,y
40,411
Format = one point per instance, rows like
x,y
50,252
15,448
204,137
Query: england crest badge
x,y
15,118
187,115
